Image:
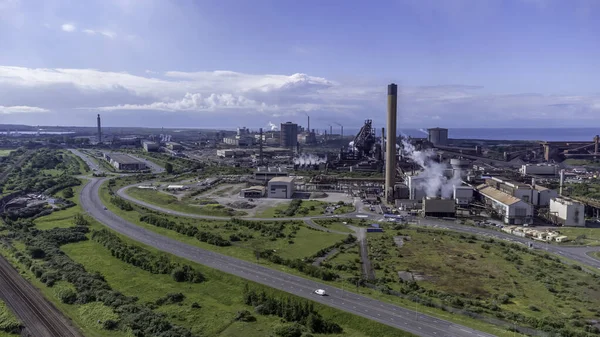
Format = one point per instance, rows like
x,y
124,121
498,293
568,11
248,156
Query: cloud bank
x,y
255,99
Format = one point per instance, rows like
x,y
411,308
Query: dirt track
x,y
39,317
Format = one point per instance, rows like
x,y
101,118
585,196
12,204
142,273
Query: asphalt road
x,y
579,254
401,318
92,164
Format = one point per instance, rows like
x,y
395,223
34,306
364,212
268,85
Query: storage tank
x,y
438,136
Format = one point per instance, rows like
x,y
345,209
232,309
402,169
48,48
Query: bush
x,y
110,324
289,330
170,299
244,316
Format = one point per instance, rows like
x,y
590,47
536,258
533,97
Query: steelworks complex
x,y
517,183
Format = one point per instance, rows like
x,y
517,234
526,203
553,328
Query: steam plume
x,y
433,179
273,127
309,159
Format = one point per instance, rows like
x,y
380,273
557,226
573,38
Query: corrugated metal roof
x,y
282,179
499,196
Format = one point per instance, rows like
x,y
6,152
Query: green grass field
x,y
307,208
4,153
247,254
168,201
588,236
220,297
305,243
8,320
520,282
61,218
334,224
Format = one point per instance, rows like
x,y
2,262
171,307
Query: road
x,y
39,317
579,254
398,317
91,163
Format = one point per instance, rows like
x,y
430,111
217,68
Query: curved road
x,y
579,254
398,317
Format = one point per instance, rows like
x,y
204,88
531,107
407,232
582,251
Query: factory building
x,y
438,136
268,173
241,141
124,162
281,187
567,212
174,146
253,192
438,207
519,190
540,170
463,195
150,146
512,210
545,195
288,135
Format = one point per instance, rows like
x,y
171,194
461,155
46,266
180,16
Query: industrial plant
x,y
432,175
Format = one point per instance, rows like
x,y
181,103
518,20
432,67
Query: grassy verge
x,y
5,153
484,277
9,323
585,236
208,309
306,208
171,202
247,254
305,241
335,224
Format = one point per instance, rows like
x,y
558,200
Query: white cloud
x,y
105,33
5,110
196,102
195,93
108,34
67,27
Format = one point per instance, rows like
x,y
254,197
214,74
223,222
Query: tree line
x,y
144,259
49,264
290,310
189,230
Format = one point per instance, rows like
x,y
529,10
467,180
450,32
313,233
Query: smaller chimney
x,y
562,181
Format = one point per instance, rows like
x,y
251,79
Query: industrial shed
x,y
567,212
438,207
513,210
281,187
124,162
253,192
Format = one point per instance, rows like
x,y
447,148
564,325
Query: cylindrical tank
x,y
438,136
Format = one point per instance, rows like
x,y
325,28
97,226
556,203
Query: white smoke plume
x,y
273,127
424,131
309,159
433,178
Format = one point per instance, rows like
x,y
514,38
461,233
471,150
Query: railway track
x,y
40,318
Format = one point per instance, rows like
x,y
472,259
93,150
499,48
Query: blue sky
x,y
459,63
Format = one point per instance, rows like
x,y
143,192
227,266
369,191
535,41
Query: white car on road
x,y
320,292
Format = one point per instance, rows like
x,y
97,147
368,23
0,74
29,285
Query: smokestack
x,y
331,130
596,141
99,130
390,160
342,131
308,126
260,144
562,181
